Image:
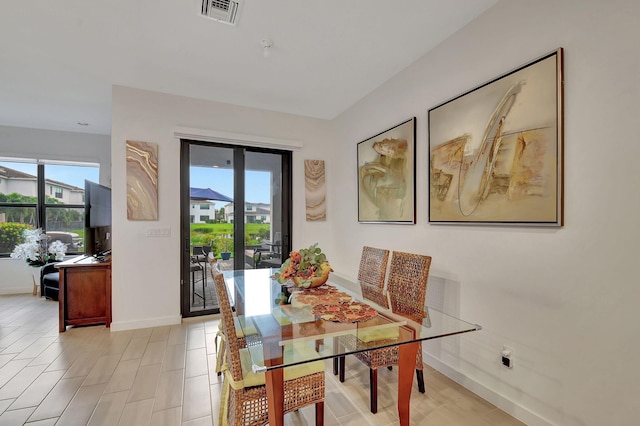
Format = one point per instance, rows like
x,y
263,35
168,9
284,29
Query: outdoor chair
x,y
198,267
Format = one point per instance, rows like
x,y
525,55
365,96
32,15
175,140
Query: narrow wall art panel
x,y
496,152
142,180
315,190
386,176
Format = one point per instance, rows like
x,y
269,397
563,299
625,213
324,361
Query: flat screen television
x,y
97,214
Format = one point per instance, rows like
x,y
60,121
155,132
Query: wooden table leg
x,y
62,300
275,395
273,355
407,363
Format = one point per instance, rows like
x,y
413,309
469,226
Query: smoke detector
x,y
225,11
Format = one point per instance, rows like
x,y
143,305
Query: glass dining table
x,y
332,321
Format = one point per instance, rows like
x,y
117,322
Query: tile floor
x,y
165,376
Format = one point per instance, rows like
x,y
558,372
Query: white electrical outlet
x,y
159,232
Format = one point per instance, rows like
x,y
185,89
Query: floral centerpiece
x,y
34,250
307,268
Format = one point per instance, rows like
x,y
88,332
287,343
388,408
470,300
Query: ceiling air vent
x,y
225,11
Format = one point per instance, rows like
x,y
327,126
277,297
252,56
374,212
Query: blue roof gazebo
x,y
203,194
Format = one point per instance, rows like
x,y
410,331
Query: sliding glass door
x,y
236,210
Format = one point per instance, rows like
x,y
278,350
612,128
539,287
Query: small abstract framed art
x,y
142,180
386,176
315,190
496,151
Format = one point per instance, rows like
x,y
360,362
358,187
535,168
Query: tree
x,y
18,214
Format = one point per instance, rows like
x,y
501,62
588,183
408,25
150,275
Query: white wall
x,y
146,270
18,142
564,299
36,144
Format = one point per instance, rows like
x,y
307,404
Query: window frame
x,y
41,206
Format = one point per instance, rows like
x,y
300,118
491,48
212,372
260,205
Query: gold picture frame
x,y
496,151
386,176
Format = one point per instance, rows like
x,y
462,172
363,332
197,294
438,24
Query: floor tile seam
x,y
155,399
184,392
30,383
98,403
155,391
48,393
15,374
347,397
19,409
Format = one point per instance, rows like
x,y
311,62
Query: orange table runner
x,y
330,304
326,294
344,312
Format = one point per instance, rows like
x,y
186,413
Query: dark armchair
x,y
266,255
49,281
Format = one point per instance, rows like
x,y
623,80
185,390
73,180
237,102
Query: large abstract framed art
x,y
496,151
386,176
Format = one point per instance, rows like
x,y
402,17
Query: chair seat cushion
x,y
375,334
291,354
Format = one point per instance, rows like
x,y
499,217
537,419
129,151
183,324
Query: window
x,y
204,218
204,206
47,196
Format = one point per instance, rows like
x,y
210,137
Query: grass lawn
x,y
222,233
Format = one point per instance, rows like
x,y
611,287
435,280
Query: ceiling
x,y
59,59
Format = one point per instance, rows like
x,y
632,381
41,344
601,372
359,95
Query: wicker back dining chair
x,y
220,335
371,274
407,289
244,400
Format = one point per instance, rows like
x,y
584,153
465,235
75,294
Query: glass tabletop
x,y
328,322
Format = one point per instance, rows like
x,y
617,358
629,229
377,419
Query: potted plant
x,y
225,255
34,250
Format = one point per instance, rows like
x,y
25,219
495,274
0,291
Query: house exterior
x,y
202,211
205,212
12,180
253,213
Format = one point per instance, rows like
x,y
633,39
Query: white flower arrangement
x,y
34,251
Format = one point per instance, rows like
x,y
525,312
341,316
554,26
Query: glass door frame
x,y
239,152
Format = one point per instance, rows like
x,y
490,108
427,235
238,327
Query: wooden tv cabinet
x,y
85,292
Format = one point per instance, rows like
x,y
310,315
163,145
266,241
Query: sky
x,y
72,175
257,184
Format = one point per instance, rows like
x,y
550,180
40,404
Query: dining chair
x,y
244,395
371,275
220,335
407,289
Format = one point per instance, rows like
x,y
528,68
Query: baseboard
x,y
508,406
16,290
145,323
